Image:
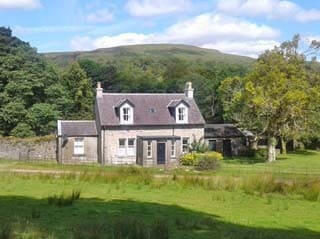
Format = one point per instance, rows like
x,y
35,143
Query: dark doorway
x,y
161,153
227,148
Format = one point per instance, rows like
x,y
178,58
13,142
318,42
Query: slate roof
x,y
149,109
222,131
77,128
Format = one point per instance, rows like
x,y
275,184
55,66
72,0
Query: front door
x,y
161,153
227,148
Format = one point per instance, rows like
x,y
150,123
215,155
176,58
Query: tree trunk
x,y
254,143
272,142
283,146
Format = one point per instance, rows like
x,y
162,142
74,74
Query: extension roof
x,y
77,128
222,131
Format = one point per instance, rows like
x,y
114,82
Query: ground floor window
x,y
78,148
185,145
149,149
173,148
122,147
127,147
212,145
131,147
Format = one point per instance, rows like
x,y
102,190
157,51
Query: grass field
x,y
244,199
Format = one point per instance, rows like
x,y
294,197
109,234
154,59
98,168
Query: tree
x,y
275,97
79,88
42,118
24,78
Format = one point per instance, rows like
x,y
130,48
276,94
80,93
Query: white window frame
x,y
131,148
149,149
182,117
126,114
183,145
173,149
78,146
122,148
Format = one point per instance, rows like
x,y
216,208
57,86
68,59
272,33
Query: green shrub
x,y
64,199
261,153
208,162
189,159
192,159
198,146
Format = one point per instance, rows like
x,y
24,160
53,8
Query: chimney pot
x,y
188,91
99,90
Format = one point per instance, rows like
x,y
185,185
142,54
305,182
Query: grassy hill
x,y
154,51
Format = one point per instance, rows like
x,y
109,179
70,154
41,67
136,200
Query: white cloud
x,y
274,9
149,8
19,4
100,16
210,30
20,30
247,48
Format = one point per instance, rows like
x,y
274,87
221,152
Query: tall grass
x,y
265,183
309,188
64,199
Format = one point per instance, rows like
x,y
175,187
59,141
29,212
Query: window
x,y
149,149
127,147
131,147
78,146
122,147
126,114
181,114
212,145
185,145
173,148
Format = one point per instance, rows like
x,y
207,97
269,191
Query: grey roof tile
x,y
222,131
77,128
149,109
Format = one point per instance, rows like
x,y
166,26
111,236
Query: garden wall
x,y
33,149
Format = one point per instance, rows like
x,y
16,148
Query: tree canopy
x,y
277,99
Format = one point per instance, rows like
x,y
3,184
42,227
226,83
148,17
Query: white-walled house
x,y
136,128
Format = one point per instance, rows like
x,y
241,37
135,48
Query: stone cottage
x,y
145,129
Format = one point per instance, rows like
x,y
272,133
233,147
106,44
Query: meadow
x,y
245,198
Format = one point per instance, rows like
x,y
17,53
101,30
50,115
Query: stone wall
x,y
37,149
111,139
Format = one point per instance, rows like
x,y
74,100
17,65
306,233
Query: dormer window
x,y
125,111
126,114
181,114
179,109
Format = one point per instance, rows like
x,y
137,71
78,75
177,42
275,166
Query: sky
x,y
243,27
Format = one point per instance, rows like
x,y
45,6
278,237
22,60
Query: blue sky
x,y
245,27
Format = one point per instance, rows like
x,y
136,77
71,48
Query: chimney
x,y
188,91
99,90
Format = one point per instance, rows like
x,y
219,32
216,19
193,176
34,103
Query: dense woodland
x,y
35,93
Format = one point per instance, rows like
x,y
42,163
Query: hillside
x,y
155,51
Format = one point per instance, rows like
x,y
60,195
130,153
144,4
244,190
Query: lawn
x,y
192,206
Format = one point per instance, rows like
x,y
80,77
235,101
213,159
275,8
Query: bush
x,y
192,159
189,159
209,161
